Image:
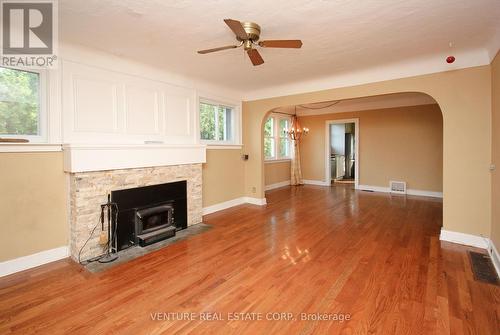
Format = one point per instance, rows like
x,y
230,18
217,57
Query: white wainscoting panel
x,y
95,105
179,114
103,106
142,110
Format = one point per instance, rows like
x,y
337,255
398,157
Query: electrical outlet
x,y
254,189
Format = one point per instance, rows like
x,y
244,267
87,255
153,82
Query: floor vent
x,y
398,187
483,268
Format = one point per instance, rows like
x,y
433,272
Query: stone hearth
x,y
88,190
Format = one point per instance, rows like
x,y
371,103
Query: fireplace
x,y
149,214
154,223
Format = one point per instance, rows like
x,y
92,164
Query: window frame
x,y
234,133
42,136
277,138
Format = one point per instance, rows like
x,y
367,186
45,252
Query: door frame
x,y
328,176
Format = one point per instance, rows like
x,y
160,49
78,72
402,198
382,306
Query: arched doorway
x,y
402,140
466,120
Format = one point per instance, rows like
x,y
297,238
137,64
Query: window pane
x,y
207,121
19,102
224,116
269,127
284,125
229,124
269,147
284,148
222,124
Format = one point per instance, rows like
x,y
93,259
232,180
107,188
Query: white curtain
x,y
296,172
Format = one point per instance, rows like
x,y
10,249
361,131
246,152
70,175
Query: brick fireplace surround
x,y
88,190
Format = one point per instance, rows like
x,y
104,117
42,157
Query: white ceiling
x,y
339,36
360,104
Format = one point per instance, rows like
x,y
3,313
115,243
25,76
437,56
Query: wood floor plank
x,y
312,250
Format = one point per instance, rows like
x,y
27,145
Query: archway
x,y
402,139
466,124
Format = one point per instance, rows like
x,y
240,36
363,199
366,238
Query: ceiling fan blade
x,y
237,28
255,57
281,44
217,49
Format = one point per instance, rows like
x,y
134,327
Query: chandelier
x,y
296,131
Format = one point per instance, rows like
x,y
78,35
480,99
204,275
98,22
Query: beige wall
x,y
33,203
403,143
464,97
276,172
495,150
222,176
37,180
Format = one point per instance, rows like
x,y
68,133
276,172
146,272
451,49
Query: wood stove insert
x,y
149,214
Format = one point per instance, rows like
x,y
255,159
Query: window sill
x,y
223,146
275,161
30,147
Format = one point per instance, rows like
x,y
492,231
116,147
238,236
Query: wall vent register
x,y
398,187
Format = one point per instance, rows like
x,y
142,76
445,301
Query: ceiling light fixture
x,y
296,131
248,34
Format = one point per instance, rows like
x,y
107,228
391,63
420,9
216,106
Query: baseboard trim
x,y
31,261
234,202
409,191
277,185
374,188
465,239
256,201
473,241
315,182
421,193
495,257
223,205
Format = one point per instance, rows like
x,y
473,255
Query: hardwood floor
x,y
373,257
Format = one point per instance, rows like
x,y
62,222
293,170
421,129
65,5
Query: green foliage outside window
x,y
284,140
215,122
207,121
268,140
19,102
276,140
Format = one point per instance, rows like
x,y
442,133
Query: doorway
x,y
342,152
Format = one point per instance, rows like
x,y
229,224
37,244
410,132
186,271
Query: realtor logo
x,y
29,33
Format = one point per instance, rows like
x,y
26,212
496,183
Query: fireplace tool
x,y
103,236
112,215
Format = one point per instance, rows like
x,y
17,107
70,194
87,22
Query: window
x,y
216,122
269,139
21,104
276,141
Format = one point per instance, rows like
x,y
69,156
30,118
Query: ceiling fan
x,y
248,33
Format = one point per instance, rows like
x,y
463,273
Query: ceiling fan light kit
x,y
248,34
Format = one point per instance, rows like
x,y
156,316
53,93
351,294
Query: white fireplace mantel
x,y
92,157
